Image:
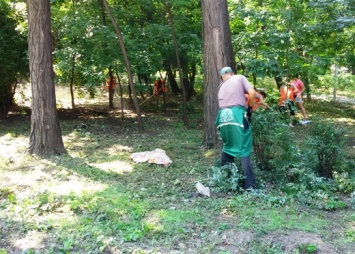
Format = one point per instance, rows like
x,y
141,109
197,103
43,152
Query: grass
x,y
94,199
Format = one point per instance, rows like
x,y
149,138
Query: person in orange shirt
x,y
113,87
287,99
159,87
259,100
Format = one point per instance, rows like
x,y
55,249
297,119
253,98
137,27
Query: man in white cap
x,y
233,121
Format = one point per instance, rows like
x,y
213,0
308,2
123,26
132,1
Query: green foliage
x,y
226,178
13,56
311,190
190,108
342,82
307,248
277,38
344,181
352,200
266,247
273,141
142,88
325,147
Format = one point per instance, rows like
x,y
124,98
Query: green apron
x,y
237,140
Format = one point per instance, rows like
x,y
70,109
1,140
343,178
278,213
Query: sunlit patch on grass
x,y
119,148
32,240
10,146
152,222
118,167
35,178
211,153
349,121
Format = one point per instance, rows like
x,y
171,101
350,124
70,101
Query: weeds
x,y
226,178
96,200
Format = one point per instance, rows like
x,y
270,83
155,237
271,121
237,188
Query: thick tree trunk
x,y
218,52
46,136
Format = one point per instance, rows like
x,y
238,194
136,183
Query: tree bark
x,y
173,84
217,53
46,136
111,88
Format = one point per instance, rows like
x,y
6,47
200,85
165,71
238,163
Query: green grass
x,y
94,199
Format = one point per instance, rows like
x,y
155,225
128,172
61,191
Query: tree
x,y
128,67
217,53
171,21
45,137
13,61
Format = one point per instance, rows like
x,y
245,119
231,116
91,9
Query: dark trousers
x,y
249,181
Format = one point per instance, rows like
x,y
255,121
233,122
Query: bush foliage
x,y
308,166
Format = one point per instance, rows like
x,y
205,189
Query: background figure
x,y
233,124
299,86
113,85
159,87
286,100
259,100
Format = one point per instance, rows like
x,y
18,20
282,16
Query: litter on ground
x,y
156,156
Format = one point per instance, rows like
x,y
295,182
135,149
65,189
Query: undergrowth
x,y
96,200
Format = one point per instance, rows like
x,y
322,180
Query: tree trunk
x,y
184,111
128,67
121,92
72,77
111,88
173,85
218,52
46,135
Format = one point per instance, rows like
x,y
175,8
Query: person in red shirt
x,y
299,88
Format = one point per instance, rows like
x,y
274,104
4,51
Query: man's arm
x,y
251,93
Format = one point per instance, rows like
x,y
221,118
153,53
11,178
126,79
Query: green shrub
x,y
325,147
273,141
226,178
346,184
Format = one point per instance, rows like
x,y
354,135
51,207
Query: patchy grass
x,y
95,199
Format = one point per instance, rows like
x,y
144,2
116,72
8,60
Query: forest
x,y
89,87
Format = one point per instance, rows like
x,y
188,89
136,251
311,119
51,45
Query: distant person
x,y
159,87
233,124
108,82
286,102
299,88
